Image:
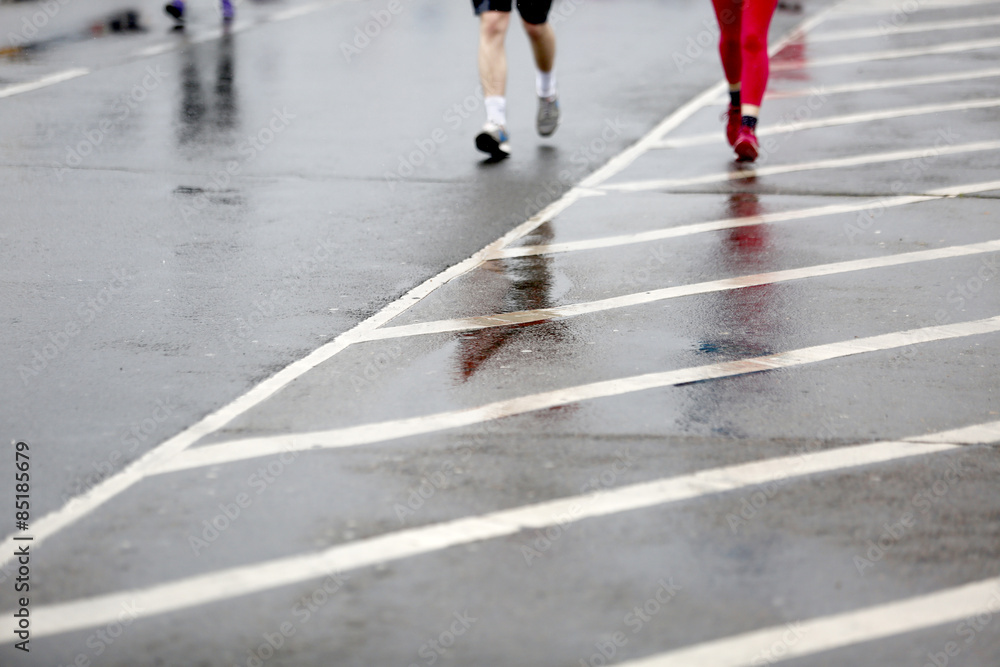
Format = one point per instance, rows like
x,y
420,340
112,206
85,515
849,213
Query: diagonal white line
x,y
784,127
45,81
890,54
745,221
665,293
906,29
235,582
834,163
866,7
981,434
877,84
240,450
836,631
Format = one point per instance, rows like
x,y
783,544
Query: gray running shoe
x,y
494,140
548,115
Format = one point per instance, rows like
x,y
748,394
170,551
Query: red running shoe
x,y
733,119
746,146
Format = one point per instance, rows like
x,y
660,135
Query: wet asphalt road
x,y
545,460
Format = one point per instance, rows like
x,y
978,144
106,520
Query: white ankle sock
x,y
496,109
545,83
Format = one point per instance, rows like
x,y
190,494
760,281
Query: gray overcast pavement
x,y
146,287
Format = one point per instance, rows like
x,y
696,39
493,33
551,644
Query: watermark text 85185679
x,y
22,509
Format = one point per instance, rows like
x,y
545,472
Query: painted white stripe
x,y
235,582
866,7
746,221
82,506
881,84
837,631
49,80
891,54
293,12
980,434
663,294
905,29
240,450
155,50
785,127
834,163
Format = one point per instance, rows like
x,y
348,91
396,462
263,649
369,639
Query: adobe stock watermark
x,y
435,648
635,620
302,612
453,118
380,363
229,513
248,149
770,143
138,433
779,647
901,14
56,342
439,480
751,504
30,25
893,533
365,34
911,171
122,108
293,281
545,539
561,12
583,158
967,289
430,484
103,638
969,630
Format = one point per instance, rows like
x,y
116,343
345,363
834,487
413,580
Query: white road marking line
x,y
783,127
980,434
892,54
745,221
239,581
711,226
905,29
834,163
865,7
249,448
49,80
881,84
155,50
81,506
665,293
837,631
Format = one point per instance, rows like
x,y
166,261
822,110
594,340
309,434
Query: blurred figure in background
x,y
175,8
743,47
494,18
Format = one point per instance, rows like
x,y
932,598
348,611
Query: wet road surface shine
x,y
948,349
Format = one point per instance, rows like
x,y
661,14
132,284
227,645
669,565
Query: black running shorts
x,y
532,11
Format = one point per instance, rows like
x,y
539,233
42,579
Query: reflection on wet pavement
x,y
744,322
202,121
530,283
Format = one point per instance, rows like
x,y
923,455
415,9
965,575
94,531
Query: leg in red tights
x,y
743,25
753,47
